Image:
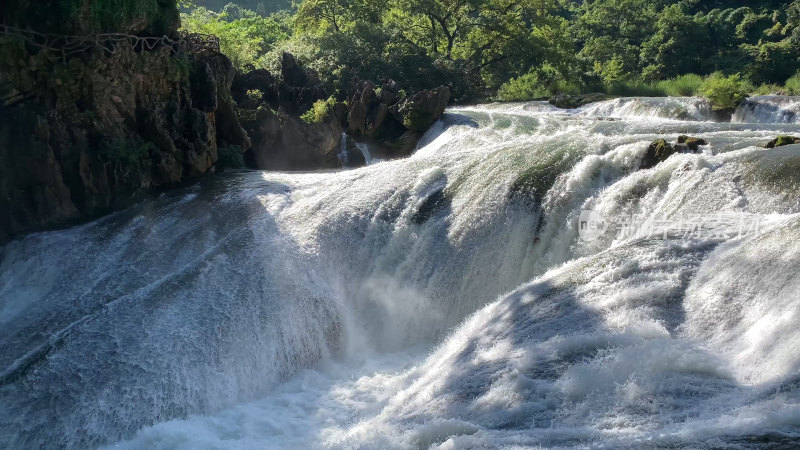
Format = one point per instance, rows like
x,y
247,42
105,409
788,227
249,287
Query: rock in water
x,y
660,150
420,111
693,143
780,141
568,101
657,152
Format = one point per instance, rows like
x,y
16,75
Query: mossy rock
x,y
780,141
692,143
657,152
419,112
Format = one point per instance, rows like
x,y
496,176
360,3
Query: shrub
x,y
536,85
319,111
229,158
634,89
793,85
523,88
724,92
766,89
683,86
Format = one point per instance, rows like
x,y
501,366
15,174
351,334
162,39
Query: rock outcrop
x,y
270,111
85,135
660,150
389,121
780,141
568,101
285,142
384,117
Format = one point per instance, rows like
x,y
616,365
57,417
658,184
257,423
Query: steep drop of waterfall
x,y
453,299
768,109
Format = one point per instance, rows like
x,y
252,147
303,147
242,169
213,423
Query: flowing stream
x,y
454,299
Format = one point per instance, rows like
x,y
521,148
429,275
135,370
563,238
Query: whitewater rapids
x,y
448,300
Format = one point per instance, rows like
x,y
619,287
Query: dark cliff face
x,y
80,17
85,135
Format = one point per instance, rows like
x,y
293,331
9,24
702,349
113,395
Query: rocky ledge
x,y
89,135
295,125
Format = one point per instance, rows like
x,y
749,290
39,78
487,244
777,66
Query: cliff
x,y
84,134
103,102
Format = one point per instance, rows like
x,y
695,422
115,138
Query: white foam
x,y
446,299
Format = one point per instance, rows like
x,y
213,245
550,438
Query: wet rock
x,y
285,142
657,152
660,150
421,110
568,101
780,141
692,143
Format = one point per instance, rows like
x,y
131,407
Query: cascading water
x,y
449,299
768,109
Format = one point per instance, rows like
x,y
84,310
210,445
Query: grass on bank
x,y
724,91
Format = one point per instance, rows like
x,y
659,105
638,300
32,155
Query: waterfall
x,y
453,298
769,109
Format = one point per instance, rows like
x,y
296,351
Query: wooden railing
x,y
63,46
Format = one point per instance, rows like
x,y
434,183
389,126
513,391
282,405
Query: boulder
x,y
660,150
780,141
569,101
692,143
421,110
363,106
657,152
281,141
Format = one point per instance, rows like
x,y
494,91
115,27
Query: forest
x,y
521,49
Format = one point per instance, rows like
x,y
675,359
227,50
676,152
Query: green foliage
x,y
682,86
515,49
765,89
526,87
254,95
244,35
793,85
229,158
128,160
538,84
321,110
724,92
260,7
634,88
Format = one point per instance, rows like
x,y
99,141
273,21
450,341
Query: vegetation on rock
x,y
724,92
319,111
780,141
